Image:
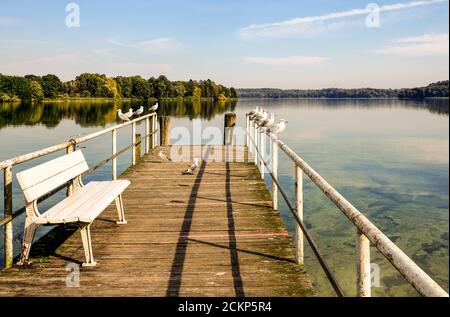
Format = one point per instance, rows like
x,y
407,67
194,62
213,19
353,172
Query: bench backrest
x,y
41,179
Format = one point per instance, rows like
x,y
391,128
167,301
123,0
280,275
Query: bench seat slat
x,y
86,204
64,208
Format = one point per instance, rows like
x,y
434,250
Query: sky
x,y
241,43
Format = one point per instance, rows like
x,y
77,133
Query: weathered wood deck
x,y
209,234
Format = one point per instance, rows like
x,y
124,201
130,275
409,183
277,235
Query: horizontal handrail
x,y
423,283
326,268
64,145
20,211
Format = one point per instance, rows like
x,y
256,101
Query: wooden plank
x,y
209,234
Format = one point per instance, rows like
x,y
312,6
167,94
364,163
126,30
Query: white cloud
x,y
422,45
287,61
320,23
156,46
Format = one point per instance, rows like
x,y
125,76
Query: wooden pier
x,y
209,234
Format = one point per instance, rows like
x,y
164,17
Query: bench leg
x,y
87,245
28,235
120,210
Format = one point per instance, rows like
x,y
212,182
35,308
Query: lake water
x,y
390,158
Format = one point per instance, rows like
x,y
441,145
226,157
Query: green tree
x,y
36,90
197,92
52,86
124,86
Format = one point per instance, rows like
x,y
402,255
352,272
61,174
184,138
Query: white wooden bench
x,y
82,206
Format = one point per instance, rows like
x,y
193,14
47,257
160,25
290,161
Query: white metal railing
x,y
366,232
7,167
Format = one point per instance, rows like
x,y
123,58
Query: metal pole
x,y
148,137
362,265
247,126
255,137
274,147
114,151
69,150
133,140
154,123
299,255
8,209
263,152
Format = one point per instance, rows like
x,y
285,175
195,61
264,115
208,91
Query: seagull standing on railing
x,y
255,111
278,128
191,169
261,117
122,116
139,111
154,108
268,123
129,114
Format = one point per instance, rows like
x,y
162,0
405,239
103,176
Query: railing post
x,y
133,140
250,131
299,257
154,127
137,152
69,150
274,173
247,127
113,152
255,139
262,148
8,208
363,287
147,137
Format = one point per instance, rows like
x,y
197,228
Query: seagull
x,y
260,117
252,113
154,108
129,114
191,169
268,123
139,111
256,113
278,128
122,116
163,157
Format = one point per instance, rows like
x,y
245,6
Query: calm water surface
x,y
390,158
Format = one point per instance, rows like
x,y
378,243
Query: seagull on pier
x,y
122,116
260,117
255,111
129,114
191,169
163,157
268,123
139,111
154,108
278,128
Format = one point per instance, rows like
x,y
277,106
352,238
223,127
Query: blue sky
x,y
241,43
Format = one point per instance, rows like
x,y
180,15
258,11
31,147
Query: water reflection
x,y
91,114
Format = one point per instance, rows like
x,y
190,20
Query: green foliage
x,y
89,85
36,90
52,86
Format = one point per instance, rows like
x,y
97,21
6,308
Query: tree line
x,y
32,87
438,89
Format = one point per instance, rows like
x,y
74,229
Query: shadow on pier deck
x,y
209,234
